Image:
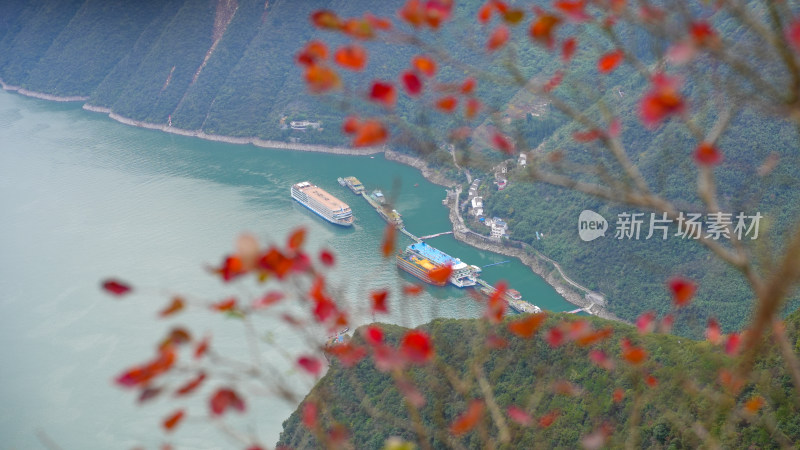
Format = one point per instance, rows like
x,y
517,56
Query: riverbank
x,y
591,302
539,266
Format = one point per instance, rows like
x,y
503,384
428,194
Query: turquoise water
x,y
84,198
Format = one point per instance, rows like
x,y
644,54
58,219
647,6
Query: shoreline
x,y
537,266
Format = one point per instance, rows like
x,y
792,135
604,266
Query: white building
x,y
499,228
523,160
304,125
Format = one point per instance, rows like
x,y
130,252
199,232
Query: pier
x,y
494,264
430,236
519,306
408,233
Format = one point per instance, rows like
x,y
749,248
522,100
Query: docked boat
x,y
341,181
420,259
514,301
418,266
378,201
322,203
354,185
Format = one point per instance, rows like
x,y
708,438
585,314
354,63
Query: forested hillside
x,y
567,394
227,67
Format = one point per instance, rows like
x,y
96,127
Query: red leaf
x,y
663,100
590,338
600,358
148,393
574,10
142,374
554,81
713,333
632,354
224,399
412,289
437,11
646,322
468,86
173,420
379,23
651,381
352,57
754,404
347,353
351,125
387,358
793,34
732,344
417,347
587,136
502,143
310,415
702,33
548,419
326,257
527,326
374,335
201,348
296,239
371,132
447,104
707,154
275,261
326,19
270,298
358,29
224,305
543,28
468,419
555,337
413,13
485,13
609,61
387,245
383,93
176,305
310,364
440,274
314,52
471,108
321,78
379,301
116,287
496,342
519,415
191,385
425,64
682,290
568,49
498,38
412,83
618,395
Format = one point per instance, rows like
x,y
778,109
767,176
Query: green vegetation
x,y
526,375
150,61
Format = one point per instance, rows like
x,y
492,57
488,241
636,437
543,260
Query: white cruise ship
x,y
324,204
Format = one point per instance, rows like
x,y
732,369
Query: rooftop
x,y
322,196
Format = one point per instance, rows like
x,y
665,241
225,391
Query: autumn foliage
x,y
631,360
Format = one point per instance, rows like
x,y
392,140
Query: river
x,y
84,198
